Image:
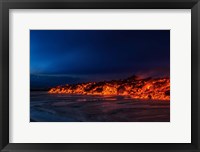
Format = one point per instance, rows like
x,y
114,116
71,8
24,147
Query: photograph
x,y
99,75
107,76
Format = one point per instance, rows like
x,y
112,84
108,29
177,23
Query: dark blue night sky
x,y
73,56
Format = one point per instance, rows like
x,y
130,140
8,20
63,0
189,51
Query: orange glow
x,y
155,89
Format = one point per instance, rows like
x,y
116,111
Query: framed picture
x,y
99,75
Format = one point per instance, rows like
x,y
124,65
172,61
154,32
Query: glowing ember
x,y
155,89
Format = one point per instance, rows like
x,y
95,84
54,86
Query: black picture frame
x,y
5,5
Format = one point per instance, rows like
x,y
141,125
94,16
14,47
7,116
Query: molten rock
x,y
155,89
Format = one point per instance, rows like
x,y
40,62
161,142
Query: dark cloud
x,y
98,52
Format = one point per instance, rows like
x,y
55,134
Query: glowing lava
x,y
155,89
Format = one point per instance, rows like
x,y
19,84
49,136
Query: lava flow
x,y
149,88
